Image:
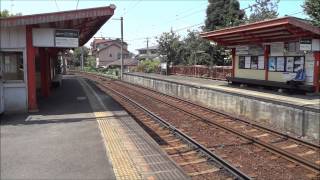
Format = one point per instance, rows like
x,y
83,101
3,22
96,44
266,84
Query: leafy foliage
x,y
170,46
223,13
148,66
312,8
6,13
263,10
191,50
77,55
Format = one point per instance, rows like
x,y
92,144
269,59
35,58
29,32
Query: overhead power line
x,y
55,1
77,4
176,30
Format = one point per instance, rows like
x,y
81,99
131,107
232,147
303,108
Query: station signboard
x,y
50,37
305,44
66,38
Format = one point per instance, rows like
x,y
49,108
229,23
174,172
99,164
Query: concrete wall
x,y
288,118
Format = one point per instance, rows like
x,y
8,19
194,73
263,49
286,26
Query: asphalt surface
x,y
62,141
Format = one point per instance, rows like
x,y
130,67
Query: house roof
x,y
113,44
102,41
87,21
274,30
150,47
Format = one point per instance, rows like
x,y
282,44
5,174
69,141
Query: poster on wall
x,y
298,63
247,62
261,62
290,62
254,62
272,64
280,63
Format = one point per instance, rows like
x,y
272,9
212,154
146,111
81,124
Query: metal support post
x,y
121,57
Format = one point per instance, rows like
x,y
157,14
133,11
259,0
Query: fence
x,y
213,72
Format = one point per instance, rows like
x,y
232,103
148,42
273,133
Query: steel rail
x,y
269,146
312,145
287,154
233,170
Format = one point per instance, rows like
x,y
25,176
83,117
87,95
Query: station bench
x,y
282,85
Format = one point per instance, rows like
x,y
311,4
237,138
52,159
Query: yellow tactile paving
x,y
127,145
116,145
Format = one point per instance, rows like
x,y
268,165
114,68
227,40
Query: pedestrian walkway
x,y
80,133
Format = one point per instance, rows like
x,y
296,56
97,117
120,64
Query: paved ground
x,y
62,141
300,100
80,133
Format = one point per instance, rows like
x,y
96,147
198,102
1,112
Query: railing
x,y
213,72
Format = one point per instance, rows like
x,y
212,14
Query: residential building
x,y
108,50
148,53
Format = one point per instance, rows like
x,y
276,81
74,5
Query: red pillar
x,y
266,57
316,71
31,71
233,53
45,73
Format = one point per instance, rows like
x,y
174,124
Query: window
x,y
11,66
280,64
254,62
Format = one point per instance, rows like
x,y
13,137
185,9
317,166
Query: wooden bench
x,y
282,85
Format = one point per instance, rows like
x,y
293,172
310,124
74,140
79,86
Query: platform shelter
x,y
273,53
30,47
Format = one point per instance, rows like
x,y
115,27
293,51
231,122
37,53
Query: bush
x,y
148,66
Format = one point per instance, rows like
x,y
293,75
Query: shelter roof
x,y
87,21
274,30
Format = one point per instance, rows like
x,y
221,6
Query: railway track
x,y
197,161
265,145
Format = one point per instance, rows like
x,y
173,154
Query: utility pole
x,y
121,57
148,48
81,58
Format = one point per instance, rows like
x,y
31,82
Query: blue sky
x,y
142,18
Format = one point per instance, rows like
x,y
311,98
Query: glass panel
x,y
254,62
272,64
241,62
11,66
280,64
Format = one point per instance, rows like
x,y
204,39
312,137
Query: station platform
x,y
310,101
80,133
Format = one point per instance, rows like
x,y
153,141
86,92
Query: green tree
x,y
170,46
200,51
312,8
223,13
77,54
263,10
6,13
